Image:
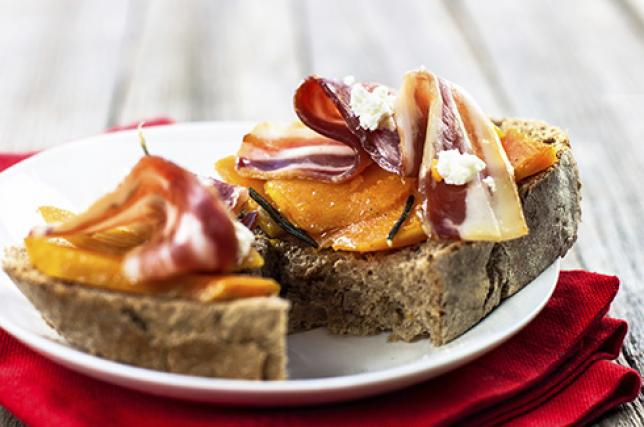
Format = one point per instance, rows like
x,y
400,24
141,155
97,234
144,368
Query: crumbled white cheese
x,y
456,168
374,109
349,80
245,239
489,181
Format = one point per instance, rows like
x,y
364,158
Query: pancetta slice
x,y
193,229
274,150
487,206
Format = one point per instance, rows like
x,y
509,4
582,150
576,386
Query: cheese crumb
x,y
489,181
457,168
245,239
374,109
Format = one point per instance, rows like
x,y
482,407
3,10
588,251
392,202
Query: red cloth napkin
x,y
556,371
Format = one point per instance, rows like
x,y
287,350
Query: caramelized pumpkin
x,y
371,234
317,207
104,270
79,265
528,156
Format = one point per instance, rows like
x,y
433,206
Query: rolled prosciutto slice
x,y
465,178
193,229
275,150
333,108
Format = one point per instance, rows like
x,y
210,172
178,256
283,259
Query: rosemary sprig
x,y
280,220
144,146
401,220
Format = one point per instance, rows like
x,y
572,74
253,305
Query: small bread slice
x,y
243,339
438,289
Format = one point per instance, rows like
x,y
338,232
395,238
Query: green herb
x,y
280,220
142,139
403,217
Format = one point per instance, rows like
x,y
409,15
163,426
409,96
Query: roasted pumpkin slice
x,y
318,207
371,234
103,270
85,266
528,156
227,287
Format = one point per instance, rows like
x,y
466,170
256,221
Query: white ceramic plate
x,y
323,367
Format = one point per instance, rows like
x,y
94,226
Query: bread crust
x,y
245,338
438,289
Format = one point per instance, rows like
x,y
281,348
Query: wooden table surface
x,y
69,69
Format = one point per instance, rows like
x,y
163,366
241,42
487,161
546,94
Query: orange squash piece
x,y
103,270
318,207
226,169
371,234
527,156
226,288
85,266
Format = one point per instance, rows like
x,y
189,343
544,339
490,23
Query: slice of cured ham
x,y
324,105
276,150
486,205
193,228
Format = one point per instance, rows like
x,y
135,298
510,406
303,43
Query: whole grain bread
x,y
245,338
436,289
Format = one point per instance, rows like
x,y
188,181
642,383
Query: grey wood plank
x,y
633,9
380,40
57,69
579,68
213,60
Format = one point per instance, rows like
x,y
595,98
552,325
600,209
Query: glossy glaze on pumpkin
x,y
319,207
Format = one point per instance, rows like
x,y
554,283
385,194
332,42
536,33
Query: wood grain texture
x,y
211,60
58,62
391,40
69,69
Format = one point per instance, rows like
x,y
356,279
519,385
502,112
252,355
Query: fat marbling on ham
x,y
278,150
487,205
193,229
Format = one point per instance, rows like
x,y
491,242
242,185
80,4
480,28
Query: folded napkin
x,y
556,371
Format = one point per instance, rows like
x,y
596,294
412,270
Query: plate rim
x,y
98,367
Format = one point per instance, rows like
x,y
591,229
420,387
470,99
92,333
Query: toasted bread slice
x,y
245,338
438,289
